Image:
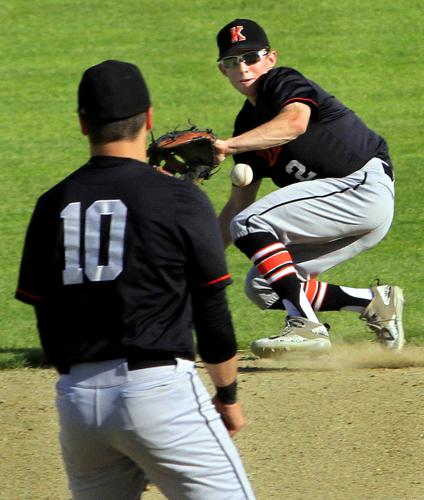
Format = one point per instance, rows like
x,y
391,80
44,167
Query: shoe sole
x,y
397,345
315,346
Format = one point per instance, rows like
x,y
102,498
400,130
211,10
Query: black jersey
x,y
336,143
112,258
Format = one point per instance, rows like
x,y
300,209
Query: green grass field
x,y
369,54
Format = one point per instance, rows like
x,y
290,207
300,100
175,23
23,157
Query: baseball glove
x,y
188,154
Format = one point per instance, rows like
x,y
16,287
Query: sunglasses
x,y
248,58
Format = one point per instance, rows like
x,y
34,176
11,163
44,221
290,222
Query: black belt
x,y
132,364
139,365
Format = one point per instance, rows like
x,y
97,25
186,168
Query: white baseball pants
x,y
117,425
321,222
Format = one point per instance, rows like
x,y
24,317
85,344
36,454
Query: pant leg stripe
x,y
216,437
307,198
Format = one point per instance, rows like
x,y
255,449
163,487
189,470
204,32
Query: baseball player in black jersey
x,y
336,196
119,262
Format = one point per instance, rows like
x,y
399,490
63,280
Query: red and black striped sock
x,y
336,298
316,292
324,296
274,262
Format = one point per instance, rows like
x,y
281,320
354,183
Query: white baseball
x,y
241,175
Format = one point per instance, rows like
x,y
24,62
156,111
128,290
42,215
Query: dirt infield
x,y
348,425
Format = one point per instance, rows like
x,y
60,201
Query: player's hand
x,y
232,416
162,171
221,150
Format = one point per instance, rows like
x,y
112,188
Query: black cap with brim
x,y
239,36
112,90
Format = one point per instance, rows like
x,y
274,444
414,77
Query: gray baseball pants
x,y
116,425
322,222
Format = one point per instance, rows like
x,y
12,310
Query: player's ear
x,y
222,69
271,58
83,125
149,119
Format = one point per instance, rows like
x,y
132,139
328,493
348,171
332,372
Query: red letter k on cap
x,y
236,35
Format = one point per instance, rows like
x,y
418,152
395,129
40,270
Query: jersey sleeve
x,y
207,276
35,278
283,86
199,227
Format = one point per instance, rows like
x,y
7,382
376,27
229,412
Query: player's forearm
x,y
216,341
276,132
225,217
223,374
283,128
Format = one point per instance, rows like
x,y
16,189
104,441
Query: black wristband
x,y
228,394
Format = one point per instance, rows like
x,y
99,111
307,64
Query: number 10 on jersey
x,y
72,224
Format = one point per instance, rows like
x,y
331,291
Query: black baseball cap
x,y
240,35
112,90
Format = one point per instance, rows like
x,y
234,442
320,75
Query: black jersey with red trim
x,y
113,256
336,143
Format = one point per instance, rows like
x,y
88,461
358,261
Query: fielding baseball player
x,y
335,196
119,262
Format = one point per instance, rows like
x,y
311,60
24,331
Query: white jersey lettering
x,y
71,214
299,171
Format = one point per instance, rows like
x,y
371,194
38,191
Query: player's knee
x,y
238,227
258,290
247,223
252,295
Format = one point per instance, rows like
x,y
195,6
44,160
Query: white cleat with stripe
x,y
299,334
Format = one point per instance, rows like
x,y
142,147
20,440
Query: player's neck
x,y
135,149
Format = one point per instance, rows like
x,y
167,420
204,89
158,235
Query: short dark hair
x,y
102,132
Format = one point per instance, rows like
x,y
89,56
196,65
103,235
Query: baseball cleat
x,y
384,316
299,334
